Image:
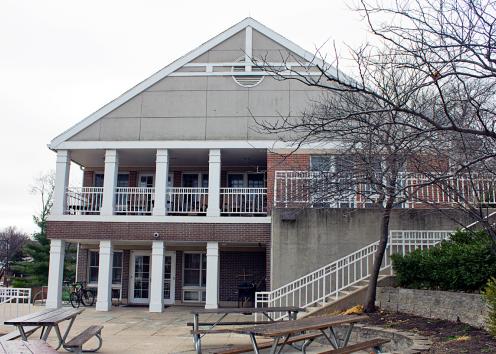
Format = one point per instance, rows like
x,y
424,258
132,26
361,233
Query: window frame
x,y
200,290
94,284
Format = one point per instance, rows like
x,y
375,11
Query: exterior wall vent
x,y
250,80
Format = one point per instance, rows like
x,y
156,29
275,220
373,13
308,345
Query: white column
x,y
55,274
213,183
110,181
62,170
212,300
161,174
104,296
157,281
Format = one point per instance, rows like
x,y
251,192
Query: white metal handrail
x,y
134,200
187,200
83,200
243,200
308,188
14,302
327,281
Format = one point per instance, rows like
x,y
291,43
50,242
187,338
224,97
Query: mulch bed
x,y
447,337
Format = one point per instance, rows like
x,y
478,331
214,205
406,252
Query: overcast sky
x,y
62,60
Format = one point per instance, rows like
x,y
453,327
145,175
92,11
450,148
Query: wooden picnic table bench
x,y
50,319
285,333
267,312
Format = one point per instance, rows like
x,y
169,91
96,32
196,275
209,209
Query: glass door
x,y
139,282
169,277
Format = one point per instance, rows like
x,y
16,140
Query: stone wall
x,y
445,305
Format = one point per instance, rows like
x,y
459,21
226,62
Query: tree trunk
x,y
379,256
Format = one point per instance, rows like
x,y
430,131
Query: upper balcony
x,y
180,182
310,189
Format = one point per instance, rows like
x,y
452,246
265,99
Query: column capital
x,y
111,156
63,156
162,155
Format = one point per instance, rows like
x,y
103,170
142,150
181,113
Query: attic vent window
x,y
248,79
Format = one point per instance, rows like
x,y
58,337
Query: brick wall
x,y
179,275
234,264
82,265
125,274
283,162
92,230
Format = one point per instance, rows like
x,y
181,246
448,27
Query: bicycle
x,y
81,295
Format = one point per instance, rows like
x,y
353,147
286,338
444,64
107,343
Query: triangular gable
x,y
263,33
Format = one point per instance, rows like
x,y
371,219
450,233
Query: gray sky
x,y
62,60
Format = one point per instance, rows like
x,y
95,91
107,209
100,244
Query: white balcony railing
x,y
243,200
187,200
83,200
308,189
134,200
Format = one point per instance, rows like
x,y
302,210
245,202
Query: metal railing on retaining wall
x,y
14,302
328,281
297,189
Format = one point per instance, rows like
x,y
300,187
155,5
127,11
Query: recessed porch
x,y
179,182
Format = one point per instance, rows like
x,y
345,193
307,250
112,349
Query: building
x,y
178,184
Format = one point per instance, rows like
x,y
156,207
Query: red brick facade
x,y
232,263
184,232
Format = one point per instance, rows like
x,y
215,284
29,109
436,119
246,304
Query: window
x,y
122,180
321,162
94,261
117,268
243,180
235,180
93,267
194,276
195,180
256,180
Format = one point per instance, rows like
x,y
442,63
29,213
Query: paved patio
x,y
135,330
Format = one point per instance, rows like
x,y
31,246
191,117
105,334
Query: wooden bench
x,y
16,334
308,338
19,346
76,344
375,343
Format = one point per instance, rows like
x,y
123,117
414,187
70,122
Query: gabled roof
x,y
164,72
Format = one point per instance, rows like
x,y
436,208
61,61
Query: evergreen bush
x,y
463,263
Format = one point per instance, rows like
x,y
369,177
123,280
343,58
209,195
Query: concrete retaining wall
x,y
312,238
445,305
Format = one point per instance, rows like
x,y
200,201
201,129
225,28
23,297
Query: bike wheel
x,y
74,299
88,298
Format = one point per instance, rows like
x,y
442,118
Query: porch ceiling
x,y
177,157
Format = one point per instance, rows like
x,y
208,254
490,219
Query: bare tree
x,y
12,242
421,106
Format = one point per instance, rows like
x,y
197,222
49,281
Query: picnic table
x,y
47,319
282,332
21,347
267,312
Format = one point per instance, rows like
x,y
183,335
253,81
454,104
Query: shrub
x,y
489,294
463,263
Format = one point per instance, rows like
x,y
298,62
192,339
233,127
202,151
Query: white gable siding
x,y
207,107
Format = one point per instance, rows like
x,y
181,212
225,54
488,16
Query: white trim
x,y
194,288
165,219
248,48
172,299
193,144
132,266
244,73
247,22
